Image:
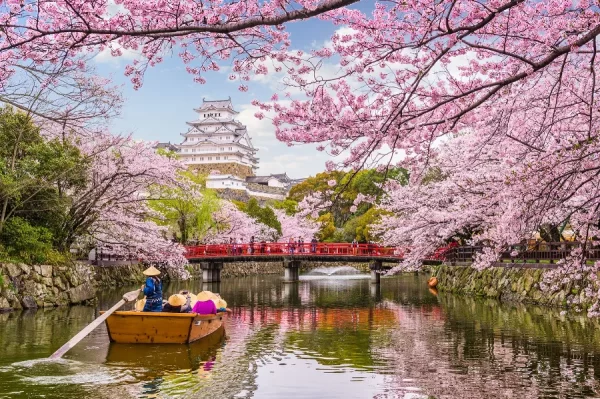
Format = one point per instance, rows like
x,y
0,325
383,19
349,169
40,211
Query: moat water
x,y
330,337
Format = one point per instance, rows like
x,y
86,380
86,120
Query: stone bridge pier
x,y
376,267
211,271
291,270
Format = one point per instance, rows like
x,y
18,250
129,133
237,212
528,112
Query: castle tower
x,y
218,145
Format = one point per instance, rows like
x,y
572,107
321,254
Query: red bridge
x,y
212,257
233,252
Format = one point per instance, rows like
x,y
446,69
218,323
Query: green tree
x,y
23,241
264,215
360,227
347,188
36,177
289,206
186,209
327,231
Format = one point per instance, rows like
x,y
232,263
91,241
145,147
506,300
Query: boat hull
x,y
161,328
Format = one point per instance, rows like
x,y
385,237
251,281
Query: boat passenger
x,y
221,305
139,304
153,290
190,301
175,304
205,304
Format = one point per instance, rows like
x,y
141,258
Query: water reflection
x,y
328,337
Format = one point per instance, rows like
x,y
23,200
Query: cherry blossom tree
x,y
111,212
294,226
208,32
511,84
230,222
60,98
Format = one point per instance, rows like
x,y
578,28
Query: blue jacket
x,y
153,292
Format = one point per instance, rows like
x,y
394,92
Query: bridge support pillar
x,y
211,271
212,287
376,266
291,270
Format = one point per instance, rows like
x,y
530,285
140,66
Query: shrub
x,y
26,242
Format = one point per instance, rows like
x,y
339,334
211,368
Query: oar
x,y
128,297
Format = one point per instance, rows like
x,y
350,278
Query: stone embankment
x,y
24,286
242,269
511,284
29,287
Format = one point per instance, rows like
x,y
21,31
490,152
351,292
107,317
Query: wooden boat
x,y
161,328
162,358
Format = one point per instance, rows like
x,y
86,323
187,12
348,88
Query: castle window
x,y
202,158
226,157
230,148
222,148
218,158
210,158
193,150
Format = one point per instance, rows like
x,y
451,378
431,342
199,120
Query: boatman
x,y
153,290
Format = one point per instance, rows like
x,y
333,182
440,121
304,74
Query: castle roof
x,y
167,146
209,105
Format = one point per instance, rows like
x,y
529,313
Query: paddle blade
x,y
128,297
131,296
83,333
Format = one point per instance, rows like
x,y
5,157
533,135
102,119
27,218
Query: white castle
x,y
218,145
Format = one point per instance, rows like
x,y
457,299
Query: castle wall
x,y
224,169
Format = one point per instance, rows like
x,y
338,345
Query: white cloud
x,y
113,9
256,127
105,56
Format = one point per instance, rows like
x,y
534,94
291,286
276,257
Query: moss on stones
x,y
512,284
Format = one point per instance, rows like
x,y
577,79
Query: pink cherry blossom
x,y
296,226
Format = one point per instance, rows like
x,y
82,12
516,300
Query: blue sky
x,y
159,110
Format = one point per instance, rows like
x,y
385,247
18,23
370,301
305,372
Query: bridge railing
x,y
536,252
266,249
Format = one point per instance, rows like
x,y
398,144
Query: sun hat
x,y
151,271
221,304
432,282
205,296
193,299
139,304
215,298
177,300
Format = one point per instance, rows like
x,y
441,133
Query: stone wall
x,y
118,276
240,195
241,269
231,168
24,286
507,284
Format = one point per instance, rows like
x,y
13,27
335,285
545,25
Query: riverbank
x,y
42,286
512,284
243,269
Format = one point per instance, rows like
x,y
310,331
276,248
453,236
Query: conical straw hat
x,y
151,271
139,304
205,296
177,300
193,299
221,304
